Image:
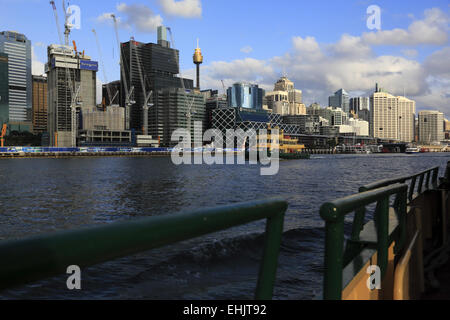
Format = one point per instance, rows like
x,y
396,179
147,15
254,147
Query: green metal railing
x,y
38,257
334,213
358,221
424,176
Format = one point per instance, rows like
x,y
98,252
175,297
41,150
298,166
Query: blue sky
x,y
321,45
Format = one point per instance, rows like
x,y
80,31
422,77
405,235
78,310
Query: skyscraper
x,y
340,99
359,103
431,128
68,72
4,89
406,118
245,95
392,117
285,99
40,104
18,49
159,65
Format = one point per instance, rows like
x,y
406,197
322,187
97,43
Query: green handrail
x,y
38,257
358,221
334,212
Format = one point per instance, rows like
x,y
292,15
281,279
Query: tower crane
x,y
74,92
108,89
146,105
189,106
128,93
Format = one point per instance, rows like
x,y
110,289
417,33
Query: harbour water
x,y
44,195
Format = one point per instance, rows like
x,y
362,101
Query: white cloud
x,y
182,8
135,15
37,67
410,53
247,49
432,30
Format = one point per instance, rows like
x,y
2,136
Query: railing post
x,y
268,266
411,188
435,177
382,225
334,247
419,189
427,183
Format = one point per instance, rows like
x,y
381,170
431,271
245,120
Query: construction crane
x,y
108,89
128,93
189,106
146,105
2,136
73,92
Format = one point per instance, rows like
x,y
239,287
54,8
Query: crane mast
x,y
73,92
108,89
128,93
147,97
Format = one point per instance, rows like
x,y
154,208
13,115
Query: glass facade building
x,y
340,99
4,89
159,66
18,49
243,95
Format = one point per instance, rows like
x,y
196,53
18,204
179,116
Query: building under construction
x,y
175,109
158,65
68,71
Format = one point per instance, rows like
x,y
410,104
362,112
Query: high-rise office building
x,y
245,95
4,89
175,109
359,103
159,64
285,99
431,129
18,49
406,117
340,99
40,104
68,72
392,117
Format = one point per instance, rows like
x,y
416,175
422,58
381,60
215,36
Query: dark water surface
x,y
44,195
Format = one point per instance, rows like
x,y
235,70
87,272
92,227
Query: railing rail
x,y
38,257
431,173
334,213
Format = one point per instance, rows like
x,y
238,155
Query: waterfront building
x,y
314,109
245,95
103,127
285,99
68,71
431,130
391,117
340,99
18,49
40,105
335,116
309,124
406,117
359,127
159,64
4,89
175,109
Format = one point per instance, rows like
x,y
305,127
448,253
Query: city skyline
x,y
408,55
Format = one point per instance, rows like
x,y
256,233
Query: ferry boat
x,y
412,150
